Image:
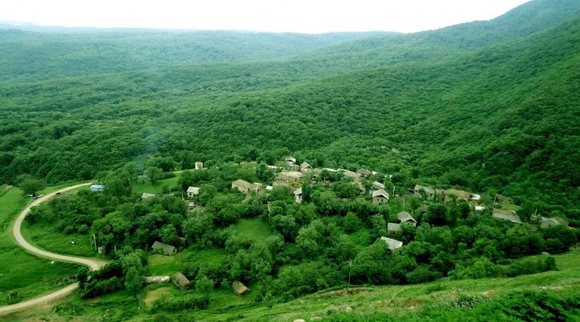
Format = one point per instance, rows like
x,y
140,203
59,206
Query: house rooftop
x,y
97,187
404,216
194,190
242,183
507,215
147,195
180,280
163,248
392,243
377,185
239,288
380,193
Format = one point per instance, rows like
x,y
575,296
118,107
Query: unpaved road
x,y
93,264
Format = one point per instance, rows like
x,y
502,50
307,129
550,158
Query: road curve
x,y
93,264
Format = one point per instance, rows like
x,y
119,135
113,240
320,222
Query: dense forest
x,y
486,106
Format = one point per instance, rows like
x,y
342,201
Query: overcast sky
x,y
305,16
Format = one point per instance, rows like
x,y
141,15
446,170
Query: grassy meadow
x,y
397,302
169,183
252,229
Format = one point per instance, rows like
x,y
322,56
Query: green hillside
x,y
489,107
500,114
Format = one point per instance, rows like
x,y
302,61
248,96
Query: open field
x,y
24,273
168,265
49,239
252,229
170,183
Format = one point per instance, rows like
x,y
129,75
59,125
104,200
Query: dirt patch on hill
x,y
156,294
344,292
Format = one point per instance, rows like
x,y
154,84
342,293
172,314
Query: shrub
x,y
186,302
531,266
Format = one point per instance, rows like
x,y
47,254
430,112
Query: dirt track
x,y
92,263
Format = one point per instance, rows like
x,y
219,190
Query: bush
x,y
480,268
422,274
186,302
531,266
96,288
535,306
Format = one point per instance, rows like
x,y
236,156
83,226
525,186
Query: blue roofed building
x,y
97,187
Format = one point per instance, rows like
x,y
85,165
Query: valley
x,y
280,176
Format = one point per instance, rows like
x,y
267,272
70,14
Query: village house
x,y
289,176
298,195
405,217
147,195
552,221
380,196
180,280
192,192
198,165
290,160
157,279
239,288
305,167
479,208
291,163
474,197
378,186
244,186
505,214
161,248
97,187
392,244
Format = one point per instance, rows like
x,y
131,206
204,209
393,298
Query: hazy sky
x,y
308,16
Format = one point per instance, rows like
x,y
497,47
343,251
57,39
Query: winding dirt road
x,y
93,264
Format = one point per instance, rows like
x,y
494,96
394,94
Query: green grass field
x,y
252,229
49,239
158,187
398,301
168,265
20,271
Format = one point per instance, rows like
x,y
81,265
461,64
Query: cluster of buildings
x,y
291,175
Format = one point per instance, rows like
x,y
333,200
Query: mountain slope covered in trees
x,y
489,106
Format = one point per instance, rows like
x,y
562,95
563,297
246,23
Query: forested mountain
x,y
489,106
42,55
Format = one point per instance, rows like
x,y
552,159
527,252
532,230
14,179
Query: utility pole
x,y
349,271
94,241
